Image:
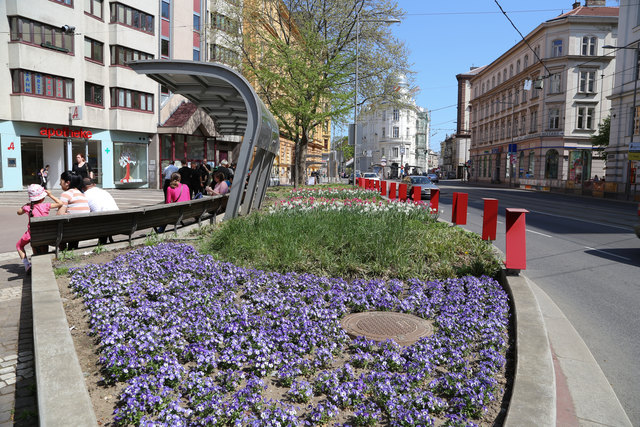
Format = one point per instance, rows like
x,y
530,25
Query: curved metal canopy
x,y
235,108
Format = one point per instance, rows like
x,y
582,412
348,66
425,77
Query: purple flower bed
x,y
200,342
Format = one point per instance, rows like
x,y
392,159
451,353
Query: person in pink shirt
x,y
221,186
35,208
177,191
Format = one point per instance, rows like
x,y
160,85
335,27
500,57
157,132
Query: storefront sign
x,y
66,133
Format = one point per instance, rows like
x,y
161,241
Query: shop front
x,y
116,158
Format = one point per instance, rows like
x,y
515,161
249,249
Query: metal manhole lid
x,y
404,329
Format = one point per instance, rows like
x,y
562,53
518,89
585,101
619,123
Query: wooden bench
x,y
55,230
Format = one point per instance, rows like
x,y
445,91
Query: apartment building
x,y
68,89
393,137
534,108
623,165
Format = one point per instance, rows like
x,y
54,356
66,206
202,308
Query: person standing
x,y
205,173
166,173
224,168
43,175
82,168
185,175
194,181
99,201
35,208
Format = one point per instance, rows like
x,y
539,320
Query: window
x,y
28,31
588,46
509,129
504,75
130,17
523,128
384,116
585,117
636,121
408,136
551,164
587,82
196,55
510,70
166,10
515,127
383,131
120,55
526,61
65,2
556,48
493,82
93,50
93,8
131,99
196,22
29,83
395,152
93,94
532,164
524,94
224,23
534,121
554,118
396,115
516,98
396,132
164,48
135,170
224,55
517,66
521,165
556,83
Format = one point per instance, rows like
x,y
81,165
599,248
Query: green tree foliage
x,y
600,140
302,61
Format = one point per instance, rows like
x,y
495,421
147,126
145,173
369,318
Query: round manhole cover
x,y
405,329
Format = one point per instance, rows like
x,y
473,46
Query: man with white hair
x,y
99,201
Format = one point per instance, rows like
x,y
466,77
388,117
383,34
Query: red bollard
x,y
417,193
392,191
435,200
490,219
516,247
376,184
383,188
402,190
367,183
459,210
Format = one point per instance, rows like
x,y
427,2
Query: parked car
x,y
370,175
421,181
433,177
357,176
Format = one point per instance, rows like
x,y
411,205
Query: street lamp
x,y
627,185
355,95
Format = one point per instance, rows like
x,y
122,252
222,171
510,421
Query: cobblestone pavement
x,y
18,404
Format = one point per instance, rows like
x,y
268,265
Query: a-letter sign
x,y
75,112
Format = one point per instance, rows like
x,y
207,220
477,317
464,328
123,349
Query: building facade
x,y
623,166
534,109
393,137
68,90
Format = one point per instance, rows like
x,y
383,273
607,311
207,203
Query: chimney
x,y
595,3
576,5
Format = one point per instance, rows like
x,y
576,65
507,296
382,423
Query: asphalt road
x,y
583,253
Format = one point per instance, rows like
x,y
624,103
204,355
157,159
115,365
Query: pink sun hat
x,y
36,192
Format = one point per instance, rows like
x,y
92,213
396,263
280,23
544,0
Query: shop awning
x,y
235,108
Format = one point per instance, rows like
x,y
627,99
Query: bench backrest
x,y
54,230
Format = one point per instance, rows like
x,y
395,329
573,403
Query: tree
x,y
301,57
600,140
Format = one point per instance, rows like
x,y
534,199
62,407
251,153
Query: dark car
x,y
351,177
433,177
423,182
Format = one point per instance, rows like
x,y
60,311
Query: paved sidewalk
x,y
18,404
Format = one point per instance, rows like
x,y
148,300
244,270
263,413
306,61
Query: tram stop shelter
x,y
235,108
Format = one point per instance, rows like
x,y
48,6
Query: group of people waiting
x,y
196,180
80,195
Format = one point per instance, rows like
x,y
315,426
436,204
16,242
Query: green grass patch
x,y
60,271
352,245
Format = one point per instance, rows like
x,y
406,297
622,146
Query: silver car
x,y
421,181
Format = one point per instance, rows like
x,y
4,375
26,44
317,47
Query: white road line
x,y
537,232
581,220
608,253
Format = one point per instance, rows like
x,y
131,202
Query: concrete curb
x,y
63,399
533,398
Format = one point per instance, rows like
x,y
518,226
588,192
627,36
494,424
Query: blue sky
x,y
447,38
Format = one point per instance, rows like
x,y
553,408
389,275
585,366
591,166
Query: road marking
x,y
582,220
608,253
537,232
